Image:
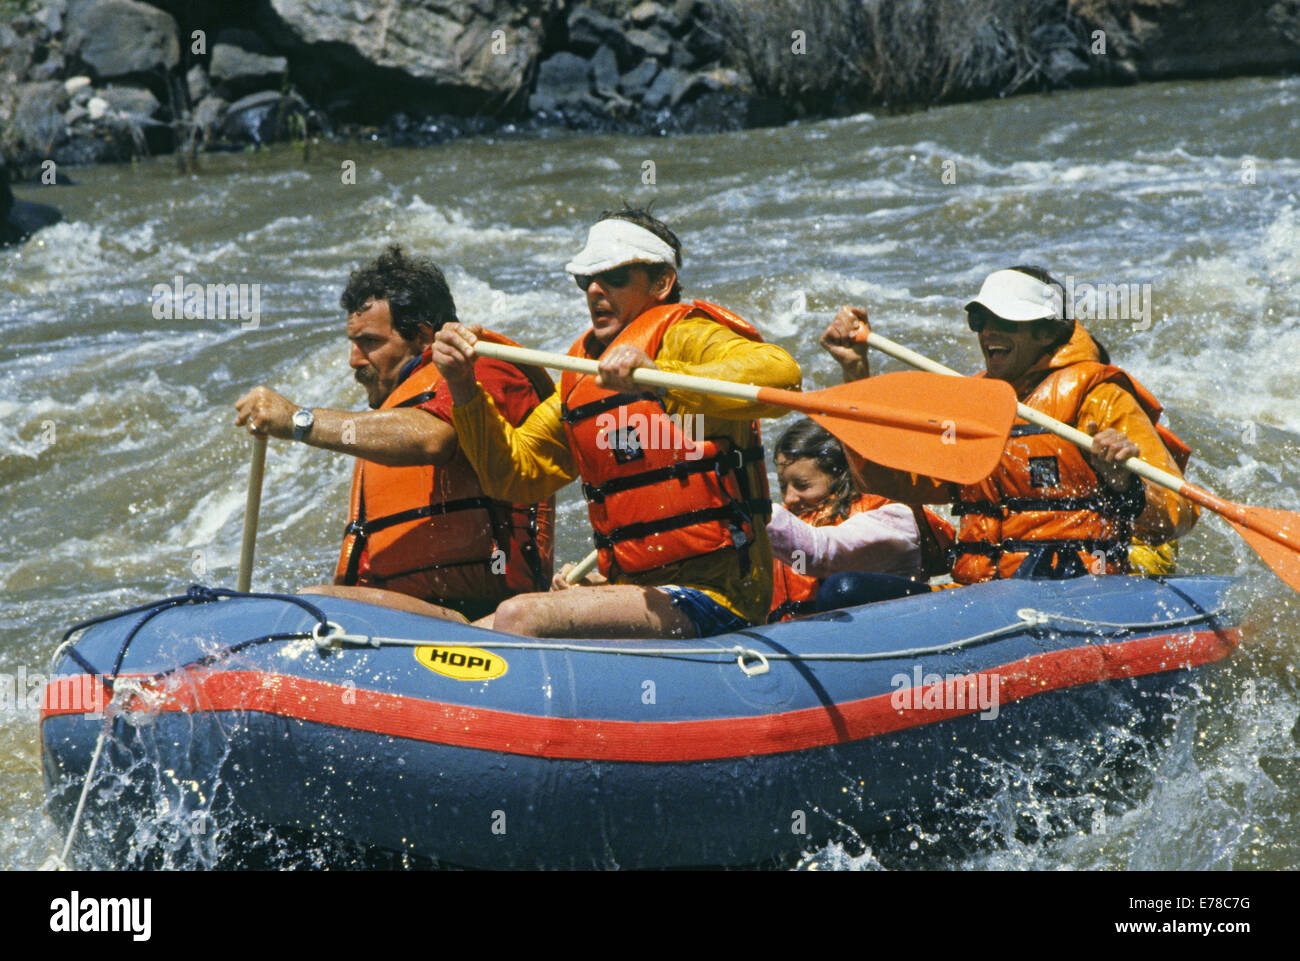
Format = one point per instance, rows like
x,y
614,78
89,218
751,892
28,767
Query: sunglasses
x,y
979,319
616,278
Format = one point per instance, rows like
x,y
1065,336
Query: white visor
x,y
1016,296
613,243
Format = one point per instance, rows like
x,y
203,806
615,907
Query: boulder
x,y
1181,38
134,102
560,79
660,92
604,71
241,63
589,29
118,38
208,116
634,83
50,16
437,54
705,43
654,43
266,117
37,122
17,53
644,14
196,83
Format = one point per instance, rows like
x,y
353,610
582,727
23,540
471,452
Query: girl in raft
x,y
835,546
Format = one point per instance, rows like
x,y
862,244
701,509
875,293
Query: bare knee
x,y
518,615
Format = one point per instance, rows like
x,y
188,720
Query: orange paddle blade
x,y
1284,559
949,428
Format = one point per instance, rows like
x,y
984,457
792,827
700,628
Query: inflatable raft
x,y
479,749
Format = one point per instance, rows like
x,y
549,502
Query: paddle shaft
x,y
1197,495
251,509
772,396
582,568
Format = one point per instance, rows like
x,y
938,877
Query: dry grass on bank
x,y
892,52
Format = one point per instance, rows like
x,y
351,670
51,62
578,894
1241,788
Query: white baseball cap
x,y
1016,296
612,243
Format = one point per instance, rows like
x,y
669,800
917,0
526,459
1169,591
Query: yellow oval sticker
x,y
462,663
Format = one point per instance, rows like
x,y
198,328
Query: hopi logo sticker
x,y
462,663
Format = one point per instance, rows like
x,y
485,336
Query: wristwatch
x,y
303,422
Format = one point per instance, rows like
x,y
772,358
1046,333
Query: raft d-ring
x,y
125,688
1032,617
337,637
761,667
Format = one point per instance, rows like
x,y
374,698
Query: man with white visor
x,y
675,481
1049,509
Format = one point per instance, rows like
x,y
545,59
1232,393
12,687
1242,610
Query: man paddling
x,y
421,532
1048,503
675,482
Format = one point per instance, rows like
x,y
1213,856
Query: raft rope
x,y
749,660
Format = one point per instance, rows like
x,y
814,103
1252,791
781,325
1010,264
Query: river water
x,y
123,478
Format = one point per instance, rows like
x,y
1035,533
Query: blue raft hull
x,y
608,757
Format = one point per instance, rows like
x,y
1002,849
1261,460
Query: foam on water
x,y
781,224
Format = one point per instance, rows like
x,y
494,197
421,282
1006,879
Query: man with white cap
x,y
1048,503
675,481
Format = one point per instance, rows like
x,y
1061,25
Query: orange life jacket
x,y
1044,497
793,593
655,493
432,533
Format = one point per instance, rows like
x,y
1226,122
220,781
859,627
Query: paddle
x,y
251,509
582,568
920,423
1273,534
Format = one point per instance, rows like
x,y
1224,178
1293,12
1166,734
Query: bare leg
x,y
375,595
613,610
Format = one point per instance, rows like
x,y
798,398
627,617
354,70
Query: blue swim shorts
x,y
708,616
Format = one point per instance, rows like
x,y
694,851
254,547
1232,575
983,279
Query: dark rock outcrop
x,y
467,57
120,38
242,62
19,219
90,80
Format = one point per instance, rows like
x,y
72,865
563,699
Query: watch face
x,y
303,418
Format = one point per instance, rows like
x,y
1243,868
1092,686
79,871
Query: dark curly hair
x,y
414,287
642,217
807,439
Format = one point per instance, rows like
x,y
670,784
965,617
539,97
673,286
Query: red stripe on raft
x,y
669,741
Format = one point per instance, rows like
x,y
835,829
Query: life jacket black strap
x,y
1015,505
1109,546
365,527
727,512
571,415
1027,430
532,556
418,399
734,460
791,609
1124,504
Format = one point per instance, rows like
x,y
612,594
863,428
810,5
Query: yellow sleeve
x,y
523,464
702,347
1167,515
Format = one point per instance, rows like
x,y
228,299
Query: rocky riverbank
x,y
85,81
